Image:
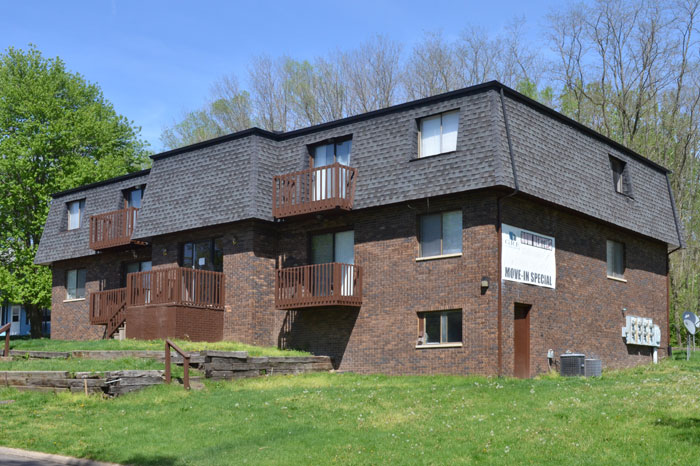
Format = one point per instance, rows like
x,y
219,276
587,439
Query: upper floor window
x,y
132,267
328,154
438,134
620,175
616,259
333,247
75,284
132,197
75,213
205,254
441,234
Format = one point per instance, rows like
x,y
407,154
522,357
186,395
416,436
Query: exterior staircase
x,y
108,308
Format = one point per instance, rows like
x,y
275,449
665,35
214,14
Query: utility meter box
x,y
641,331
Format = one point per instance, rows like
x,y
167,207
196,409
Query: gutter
x,y
516,190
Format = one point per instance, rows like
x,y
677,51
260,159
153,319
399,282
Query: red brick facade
x,y
583,314
70,319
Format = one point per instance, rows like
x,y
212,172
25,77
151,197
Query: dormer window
x,y
133,197
438,134
328,154
75,213
620,174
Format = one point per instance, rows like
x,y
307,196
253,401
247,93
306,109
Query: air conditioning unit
x,y
592,368
572,364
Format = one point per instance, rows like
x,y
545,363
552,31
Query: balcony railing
x,y
314,190
112,228
317,285
176,285
104,304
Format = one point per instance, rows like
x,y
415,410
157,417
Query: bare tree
x,y
431,68
330,89
372,75
271,101
478,56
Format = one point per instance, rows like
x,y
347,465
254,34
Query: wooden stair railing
x,y
185,360
6,328
116,320
108,308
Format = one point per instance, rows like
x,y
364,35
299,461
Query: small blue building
x,y
16,314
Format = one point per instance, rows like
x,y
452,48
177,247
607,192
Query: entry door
x,y
521,341
345,254
133,199
14,319
325,155
334,247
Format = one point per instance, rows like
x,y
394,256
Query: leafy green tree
x,y
57,131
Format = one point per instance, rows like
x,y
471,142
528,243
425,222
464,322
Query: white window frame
x,y
74,296
81,208
442,134
442,254
444,329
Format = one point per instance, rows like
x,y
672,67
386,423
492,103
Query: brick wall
x,y
382,336
583,314
70,319
249,267
159,322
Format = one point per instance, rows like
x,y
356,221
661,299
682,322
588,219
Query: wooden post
x,y
6,328
167,362
186,367
337,275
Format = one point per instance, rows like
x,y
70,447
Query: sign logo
x,y
533,263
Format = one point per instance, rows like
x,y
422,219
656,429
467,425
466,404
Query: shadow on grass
x,y
688,428
143,460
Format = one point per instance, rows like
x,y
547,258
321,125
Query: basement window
x,y
440,328
620,173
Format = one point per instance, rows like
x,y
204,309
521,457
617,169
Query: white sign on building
x,y
527,257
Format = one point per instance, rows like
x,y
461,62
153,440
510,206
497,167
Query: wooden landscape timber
x,y
237,364
104,355
219,365
111,383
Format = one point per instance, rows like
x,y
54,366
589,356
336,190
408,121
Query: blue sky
x,y
156,59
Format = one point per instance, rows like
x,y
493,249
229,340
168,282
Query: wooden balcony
x,y
177,286
112,229
314,190
309,286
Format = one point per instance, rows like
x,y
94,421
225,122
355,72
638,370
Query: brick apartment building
x,y
470,232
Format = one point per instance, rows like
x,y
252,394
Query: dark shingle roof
x,y
557,160
56,242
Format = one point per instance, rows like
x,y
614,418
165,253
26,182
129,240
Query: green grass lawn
x,y
647,415
46,344
85,365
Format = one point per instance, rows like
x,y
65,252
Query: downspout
x,y
668,264
516,189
